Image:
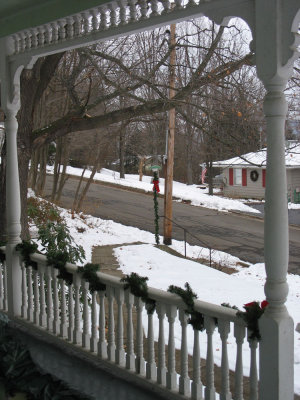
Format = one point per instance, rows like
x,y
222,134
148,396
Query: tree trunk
x,y
86,188
56,169
33,173
65,161
77,191
141,166
42,171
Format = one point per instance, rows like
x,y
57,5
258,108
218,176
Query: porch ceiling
x,y
16,15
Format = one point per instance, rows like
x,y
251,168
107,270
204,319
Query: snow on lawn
x,y
164,269
192,193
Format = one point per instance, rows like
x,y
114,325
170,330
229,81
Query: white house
x,y
245,175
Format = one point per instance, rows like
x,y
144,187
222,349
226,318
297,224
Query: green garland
x,y
89,273
156,216
139,288
58,260
253,311
26,248
196,318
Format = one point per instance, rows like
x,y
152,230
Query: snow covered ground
x,y
164,269
192,193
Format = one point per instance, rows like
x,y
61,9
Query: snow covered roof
x,y
258,158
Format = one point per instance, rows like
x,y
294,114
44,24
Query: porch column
x,y
277,328
13,214
10,103
274,59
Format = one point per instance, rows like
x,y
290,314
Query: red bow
x,y
155,185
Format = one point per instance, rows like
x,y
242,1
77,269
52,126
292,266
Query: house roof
x,y
258,158
16,15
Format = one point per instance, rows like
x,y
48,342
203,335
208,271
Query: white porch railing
x,y
98,327
106,21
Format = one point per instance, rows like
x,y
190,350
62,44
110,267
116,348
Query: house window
x,y
237,176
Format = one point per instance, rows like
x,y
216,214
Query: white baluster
x,y
86,338
154,8
22,41
103,18
42,315
161,366
34,38
71,313
36,297
171,372
30,295
210,393
144,9
253,369
111,348
49,300
113,15
55,35
95,20
122,5
140,366
239,333
178,4
86,25
94,330
27,40
1,285
130,356
224,329
166,5
55,323
62,29
132,10
77,334
196,383
5,286
184,380
120,352
63,310
16,43
77,25
41,37
70,27
102,345
24,293
151,372
47,34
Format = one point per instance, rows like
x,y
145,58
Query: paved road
x,y
294,215
238,235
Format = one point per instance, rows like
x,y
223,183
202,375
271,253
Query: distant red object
x,y
156,185
250,304
264,304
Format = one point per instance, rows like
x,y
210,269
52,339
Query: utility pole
x,y
168,211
